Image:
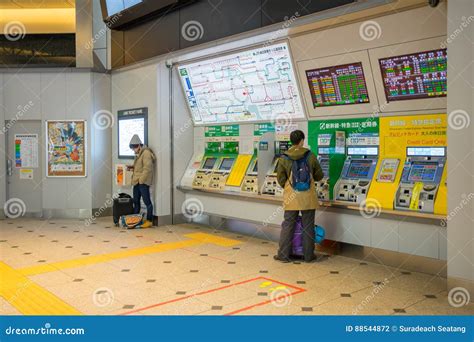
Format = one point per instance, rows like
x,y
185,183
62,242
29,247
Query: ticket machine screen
x,y
226,164
209,163
324,162
255,168
423,172
359,169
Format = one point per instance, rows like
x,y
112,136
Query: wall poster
x,y
66,148
26,150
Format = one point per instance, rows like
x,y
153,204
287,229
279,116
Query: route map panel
x,y
252,85
415,76
337,85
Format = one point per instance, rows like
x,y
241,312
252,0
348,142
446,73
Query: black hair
x,y
296,137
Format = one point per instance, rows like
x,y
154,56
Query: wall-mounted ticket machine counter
x,y
220,174
271,186
421,177
203,174
356,175
250,182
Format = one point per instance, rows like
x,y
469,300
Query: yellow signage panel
x,y
238,171
396,134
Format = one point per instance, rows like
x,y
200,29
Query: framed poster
x,y
66,148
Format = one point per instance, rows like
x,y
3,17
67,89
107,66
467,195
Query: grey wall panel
x,y
139,88
274,11
53,95
418,239
384,234
78,95
152,39
20,90
101,138
219,19
460,235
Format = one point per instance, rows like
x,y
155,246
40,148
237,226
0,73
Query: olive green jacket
x,y
298,200
143,167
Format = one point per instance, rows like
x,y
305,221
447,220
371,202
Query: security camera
x,y
433,3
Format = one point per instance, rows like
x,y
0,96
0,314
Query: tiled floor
x,y
188,269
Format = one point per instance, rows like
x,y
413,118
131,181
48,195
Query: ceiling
x,y
20,4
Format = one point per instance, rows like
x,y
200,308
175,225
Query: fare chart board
x,y
252,85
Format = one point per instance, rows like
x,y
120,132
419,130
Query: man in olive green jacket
x,y
295,201
142,178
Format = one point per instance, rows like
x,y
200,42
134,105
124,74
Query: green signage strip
x,y
262,128
222,131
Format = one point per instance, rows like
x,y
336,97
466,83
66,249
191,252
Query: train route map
x,y
252,85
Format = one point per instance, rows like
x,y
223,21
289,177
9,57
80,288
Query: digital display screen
x,y
251,85
282,147
415,76
226,164
359,169
426,151
117,6
423,172
324,162
127,127
363,151
209,163
255,168
337,85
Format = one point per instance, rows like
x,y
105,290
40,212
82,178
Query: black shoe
x,y
284,260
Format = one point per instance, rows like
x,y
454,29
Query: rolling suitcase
x,y
123,205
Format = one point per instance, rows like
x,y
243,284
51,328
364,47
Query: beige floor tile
x,y
419,282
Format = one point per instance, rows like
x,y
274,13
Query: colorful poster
x,y
66,143
26,150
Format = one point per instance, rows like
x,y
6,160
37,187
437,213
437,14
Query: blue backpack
x,y
300,173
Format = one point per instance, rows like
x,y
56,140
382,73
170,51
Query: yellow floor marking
x,y
277,288
265,284
217,240
28,297
95,259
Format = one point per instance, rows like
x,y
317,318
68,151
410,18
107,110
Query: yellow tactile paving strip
x,y
95,259
28,297
31,299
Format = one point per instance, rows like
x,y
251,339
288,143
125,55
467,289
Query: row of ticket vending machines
x,y
418,186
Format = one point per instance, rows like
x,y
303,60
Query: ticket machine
x,y
250,182
356,175
203,174
271,186
322,186
421,177
219,175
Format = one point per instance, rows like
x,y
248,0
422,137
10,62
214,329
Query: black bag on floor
x,y
123,205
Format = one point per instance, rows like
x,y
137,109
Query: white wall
x,y
460,247
56,95
147,86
